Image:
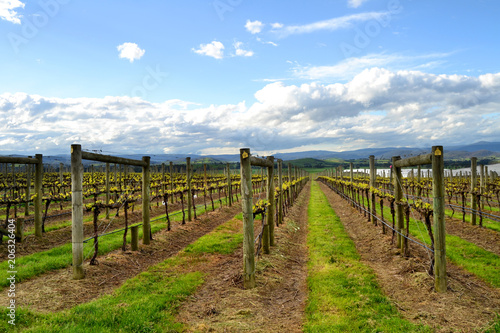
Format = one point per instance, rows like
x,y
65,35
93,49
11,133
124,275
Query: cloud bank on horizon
x,y
273,77
378,107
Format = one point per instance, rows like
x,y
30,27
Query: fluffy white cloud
x,y
378,107
214,49
130,51
241,52
355,3
254,27
8,10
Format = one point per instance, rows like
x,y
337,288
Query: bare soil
x,y
469,303
483,237
278,301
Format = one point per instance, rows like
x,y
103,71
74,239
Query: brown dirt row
x,y
276,304
483,237
469,303
56,290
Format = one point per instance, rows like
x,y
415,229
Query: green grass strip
x,y
343,292
62,256
145,303
487,223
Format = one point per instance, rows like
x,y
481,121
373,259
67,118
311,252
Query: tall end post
x,y
247,207
439,221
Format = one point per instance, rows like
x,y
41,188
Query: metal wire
x,y
389,226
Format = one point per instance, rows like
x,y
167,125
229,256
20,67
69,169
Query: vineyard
x,y
261,247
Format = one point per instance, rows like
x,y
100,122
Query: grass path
x,y
343,293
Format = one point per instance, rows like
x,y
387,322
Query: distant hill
x,y
482,150
313,163
481,145
208,160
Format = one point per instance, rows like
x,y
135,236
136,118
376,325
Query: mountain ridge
x,y
479,149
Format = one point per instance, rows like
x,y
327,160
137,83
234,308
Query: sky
x,y
210,77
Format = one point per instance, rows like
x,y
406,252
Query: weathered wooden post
x,y
188,181
482,184
134,238
115,176
398,195
77,211
163,178
19,229
146,227
38,197
205,174
270,200
262,180
171,181
229,189
419,176
107,190
439,221
351,173
473,182
247,207
373,184
28,189
290,179
280,195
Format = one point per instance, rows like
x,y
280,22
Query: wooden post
x,y
262,180
134,238
351,174
229,189
373,184
398,195
146,227
163,178
482,183
270,199
171,181
61,170
439,221
77,211
205,174
290,179
38,197
28,189
247,207
419,175
280,195
19,228
188,180
473,181
107,189
114,178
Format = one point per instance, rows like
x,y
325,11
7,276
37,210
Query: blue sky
x,y
213,76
